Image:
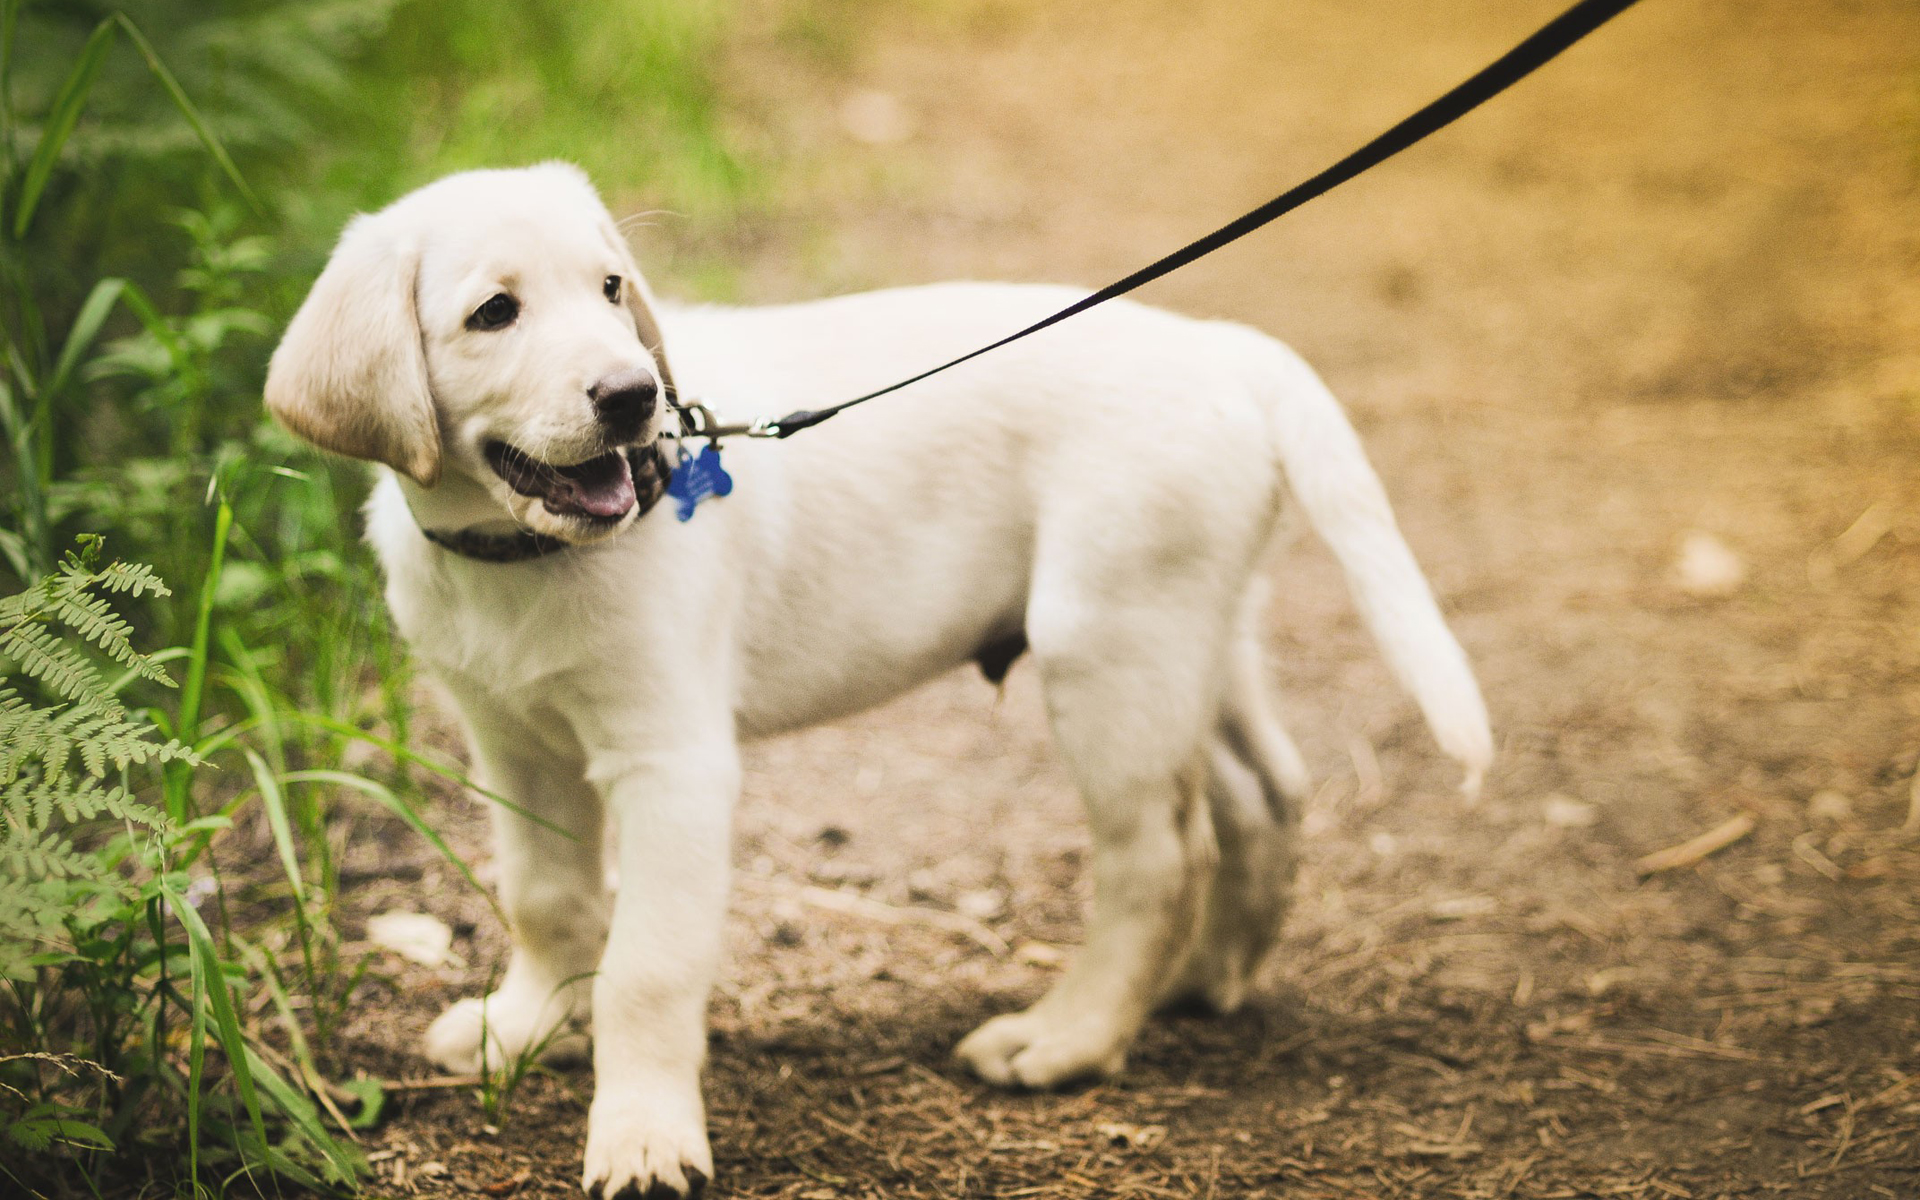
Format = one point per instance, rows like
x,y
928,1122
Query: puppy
x,y
1102,493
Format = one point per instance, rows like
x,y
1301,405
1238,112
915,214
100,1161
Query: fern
x,y
51,638
134,579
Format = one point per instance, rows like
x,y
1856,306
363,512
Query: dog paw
x,y
1212,984
1216,979
641,1149
474,1035
1034,1050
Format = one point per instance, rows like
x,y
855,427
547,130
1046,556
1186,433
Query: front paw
x,y
1038,1049
646,1146
474,1036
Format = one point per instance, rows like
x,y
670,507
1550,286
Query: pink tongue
x,y
601,487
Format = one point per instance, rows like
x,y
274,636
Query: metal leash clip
x,y
698,421
694,478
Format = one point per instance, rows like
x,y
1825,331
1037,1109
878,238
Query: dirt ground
x,y
1666,288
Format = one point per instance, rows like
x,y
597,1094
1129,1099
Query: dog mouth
x,y
599,489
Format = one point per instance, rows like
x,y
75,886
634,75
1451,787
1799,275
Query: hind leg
x,y
1128,705
1256,789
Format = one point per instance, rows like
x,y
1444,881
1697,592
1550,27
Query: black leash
x,y
1510,68
702,476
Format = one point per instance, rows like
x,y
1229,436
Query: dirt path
x,y
1668,287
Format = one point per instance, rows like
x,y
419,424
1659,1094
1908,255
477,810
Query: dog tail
x,y
1344,502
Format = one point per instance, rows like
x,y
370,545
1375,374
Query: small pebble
x,y
1708,567
1829,805
981,904
1460,908
1564,812
418,937
1039,954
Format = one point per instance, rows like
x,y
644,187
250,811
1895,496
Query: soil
x,y
1664,289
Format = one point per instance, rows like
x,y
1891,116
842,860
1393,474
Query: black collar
x,y
650,470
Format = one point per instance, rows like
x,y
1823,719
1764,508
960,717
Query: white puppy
x,y
1103,492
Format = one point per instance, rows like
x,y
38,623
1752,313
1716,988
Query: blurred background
x,y
1634,349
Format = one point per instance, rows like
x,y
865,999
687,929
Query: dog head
x,y
491,324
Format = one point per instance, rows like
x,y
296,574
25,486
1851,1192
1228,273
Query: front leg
x,y
673,809
552,892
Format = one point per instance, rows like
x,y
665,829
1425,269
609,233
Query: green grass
x,y
622,88
172,175
108,821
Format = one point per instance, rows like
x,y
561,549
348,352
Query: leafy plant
x,y
104,951
43,872
500,1082
168,992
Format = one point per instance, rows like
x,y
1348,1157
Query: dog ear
x,y
639,302
350,374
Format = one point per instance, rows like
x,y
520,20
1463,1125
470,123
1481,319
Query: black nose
x,y
625,399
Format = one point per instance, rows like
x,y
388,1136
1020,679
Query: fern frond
x,y
133,579
52,735
119,803
93,618
18,721
40,654
22,605
44,856
26,808
123,740
50,812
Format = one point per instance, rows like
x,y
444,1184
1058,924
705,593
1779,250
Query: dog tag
x,y
696,477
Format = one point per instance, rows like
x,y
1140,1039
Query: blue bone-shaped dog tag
x,y
696,477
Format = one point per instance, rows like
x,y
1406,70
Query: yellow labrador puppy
x,y
1103,493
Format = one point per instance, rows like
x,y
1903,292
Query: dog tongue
x,y
600,487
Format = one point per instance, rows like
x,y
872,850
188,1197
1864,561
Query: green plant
x,y
624,88
131,949
45,873
168,994
41,374
104,949
499,1082
169,364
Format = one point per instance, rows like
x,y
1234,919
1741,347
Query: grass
x,y
171,177
106,953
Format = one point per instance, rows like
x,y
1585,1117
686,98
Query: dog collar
x,y
650,471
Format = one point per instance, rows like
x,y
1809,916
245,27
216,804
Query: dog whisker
x,y
640,220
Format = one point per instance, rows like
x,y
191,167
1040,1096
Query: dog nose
x,y
625,397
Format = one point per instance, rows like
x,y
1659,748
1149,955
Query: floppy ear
x,y
639,302
350,375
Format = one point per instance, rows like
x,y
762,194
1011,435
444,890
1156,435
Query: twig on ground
x,y
1808,853
1697,849
1846,1136
429,1083
850,904
1889,1094
1678,1047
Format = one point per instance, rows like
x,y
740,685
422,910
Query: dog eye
x,y
497,313
612,288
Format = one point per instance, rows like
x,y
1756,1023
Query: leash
x,y
690,478
1510,68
